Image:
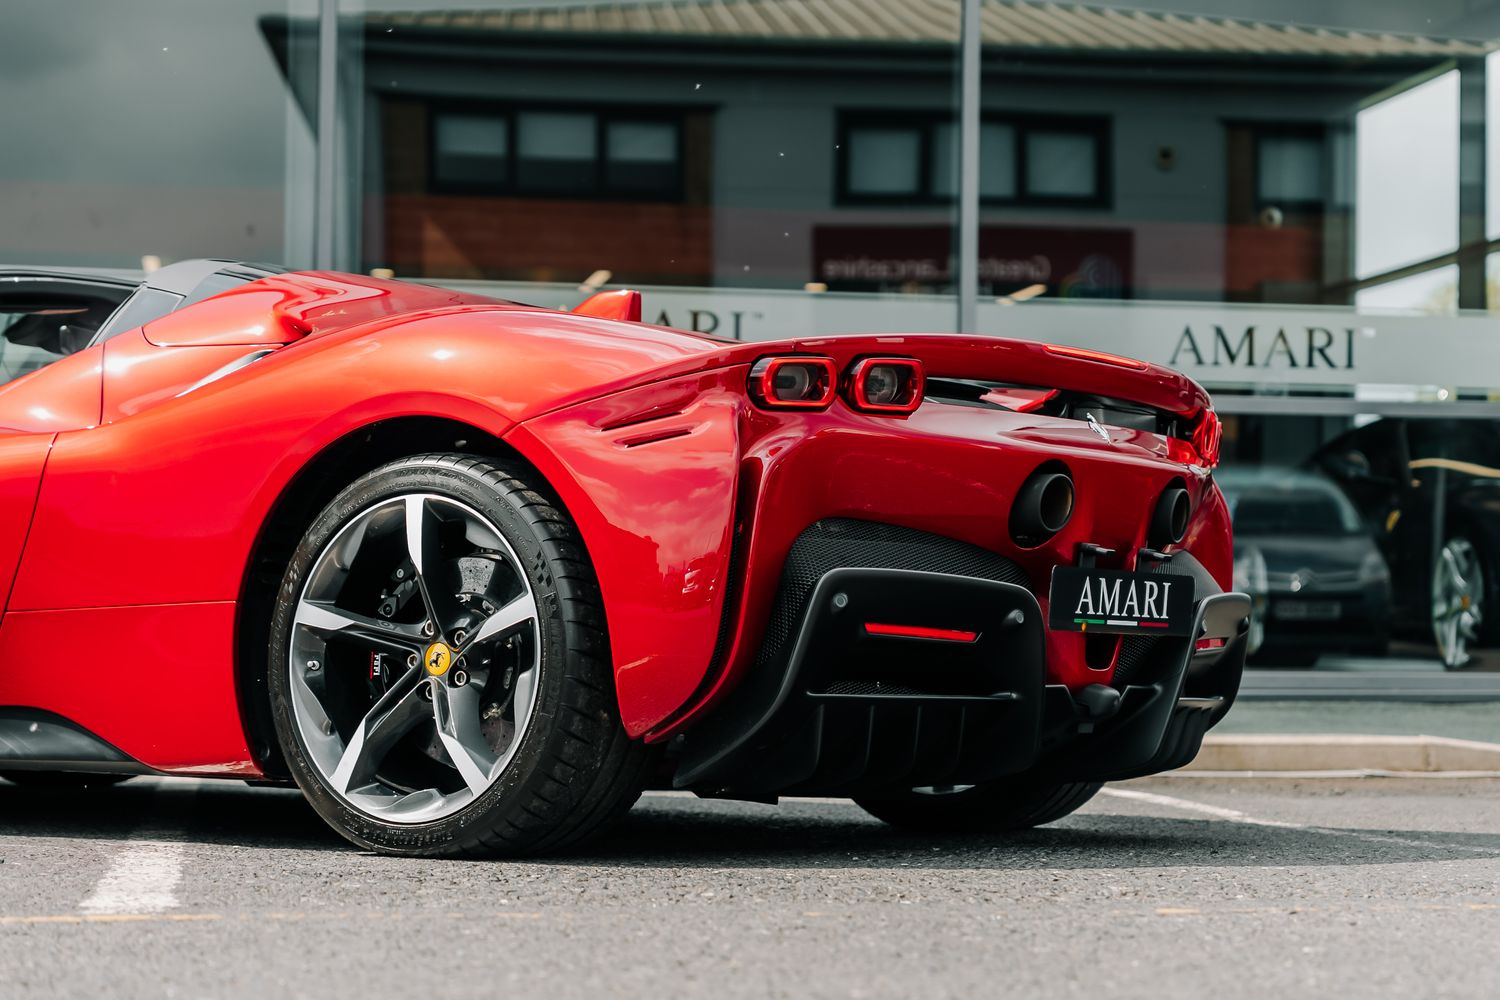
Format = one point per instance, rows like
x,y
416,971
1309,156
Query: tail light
x,y
794,383
886,385
1206,438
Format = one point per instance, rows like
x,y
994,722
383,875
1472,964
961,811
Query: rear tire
x,y
568,769
993,807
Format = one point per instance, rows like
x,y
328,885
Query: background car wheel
x,y
993,807
63,779
439,668
1458,600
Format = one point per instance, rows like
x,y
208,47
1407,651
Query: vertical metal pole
x,y
1472,176
327,137
968,170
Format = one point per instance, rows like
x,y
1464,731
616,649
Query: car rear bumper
x,y
959,693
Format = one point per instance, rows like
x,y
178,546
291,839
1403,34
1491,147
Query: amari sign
x,y
1304,347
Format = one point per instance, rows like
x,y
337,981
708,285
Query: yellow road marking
x,y
109,918
139,918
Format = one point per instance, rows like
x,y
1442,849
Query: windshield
x,y
1294,512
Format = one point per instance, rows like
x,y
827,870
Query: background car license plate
x,y
1107,600
1307,611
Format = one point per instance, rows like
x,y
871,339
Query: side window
x,y
43,319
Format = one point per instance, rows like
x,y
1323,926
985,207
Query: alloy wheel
x,y
415,658
1457,600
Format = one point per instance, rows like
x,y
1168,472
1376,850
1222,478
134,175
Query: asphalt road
x,y
1171,887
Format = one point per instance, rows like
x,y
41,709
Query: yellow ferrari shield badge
x,y
439,659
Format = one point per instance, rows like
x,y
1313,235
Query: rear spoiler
x,y
1050,366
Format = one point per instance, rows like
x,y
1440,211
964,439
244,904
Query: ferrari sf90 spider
x,y
473,574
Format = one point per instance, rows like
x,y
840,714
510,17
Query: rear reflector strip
x,y
920,632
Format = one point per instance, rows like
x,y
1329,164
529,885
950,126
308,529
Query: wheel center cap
x,y
438,659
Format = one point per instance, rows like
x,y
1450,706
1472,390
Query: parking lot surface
x,y
1165,887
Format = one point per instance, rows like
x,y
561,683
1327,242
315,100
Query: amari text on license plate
x,y
1107,600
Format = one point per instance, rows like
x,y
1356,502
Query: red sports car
x,y
473,573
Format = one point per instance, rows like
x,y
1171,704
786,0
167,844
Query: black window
x,y
642,156
471,150
1022,160
885,161
557,152
1291,169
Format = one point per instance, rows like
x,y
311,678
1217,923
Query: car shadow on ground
x,y
230,813
681,832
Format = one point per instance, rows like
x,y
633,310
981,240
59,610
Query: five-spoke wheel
x,y
439,666
1457,600
412,700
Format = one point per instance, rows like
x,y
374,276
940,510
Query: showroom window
x,y
1056,161
558,153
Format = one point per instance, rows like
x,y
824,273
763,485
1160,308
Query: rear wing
x,y
1061,371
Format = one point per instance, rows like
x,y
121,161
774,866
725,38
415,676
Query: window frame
x,y
1099,128
603,116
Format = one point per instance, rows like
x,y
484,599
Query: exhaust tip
x,y
1169,521
1042,507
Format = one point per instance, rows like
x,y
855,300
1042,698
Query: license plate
x,y
1107,600
1307,611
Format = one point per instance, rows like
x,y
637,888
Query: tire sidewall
x,y
476,491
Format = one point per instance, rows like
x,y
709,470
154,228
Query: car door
x,y
50,381
1372,465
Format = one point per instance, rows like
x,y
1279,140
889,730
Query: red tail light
x,y
794,383
920,632
1206,438
1085,354
886,385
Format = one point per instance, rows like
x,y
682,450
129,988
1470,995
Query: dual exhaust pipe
x,y
1044,504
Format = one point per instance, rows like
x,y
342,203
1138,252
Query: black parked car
x,y
1302,551
1430,492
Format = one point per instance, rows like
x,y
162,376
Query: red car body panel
x,y
22,458
686,495
155,681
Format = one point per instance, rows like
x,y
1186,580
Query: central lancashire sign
x,y
1070,262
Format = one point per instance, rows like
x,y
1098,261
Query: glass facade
x,y
1297,203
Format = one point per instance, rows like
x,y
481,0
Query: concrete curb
x,y
1350,753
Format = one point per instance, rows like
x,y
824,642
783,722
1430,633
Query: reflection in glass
x,y
1407,205
884,161
1434,292
1061,164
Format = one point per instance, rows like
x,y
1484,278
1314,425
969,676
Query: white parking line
x,y
1235,816
144,874
1186,805
142,879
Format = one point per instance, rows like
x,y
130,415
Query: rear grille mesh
x,y
871,687
1135,650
